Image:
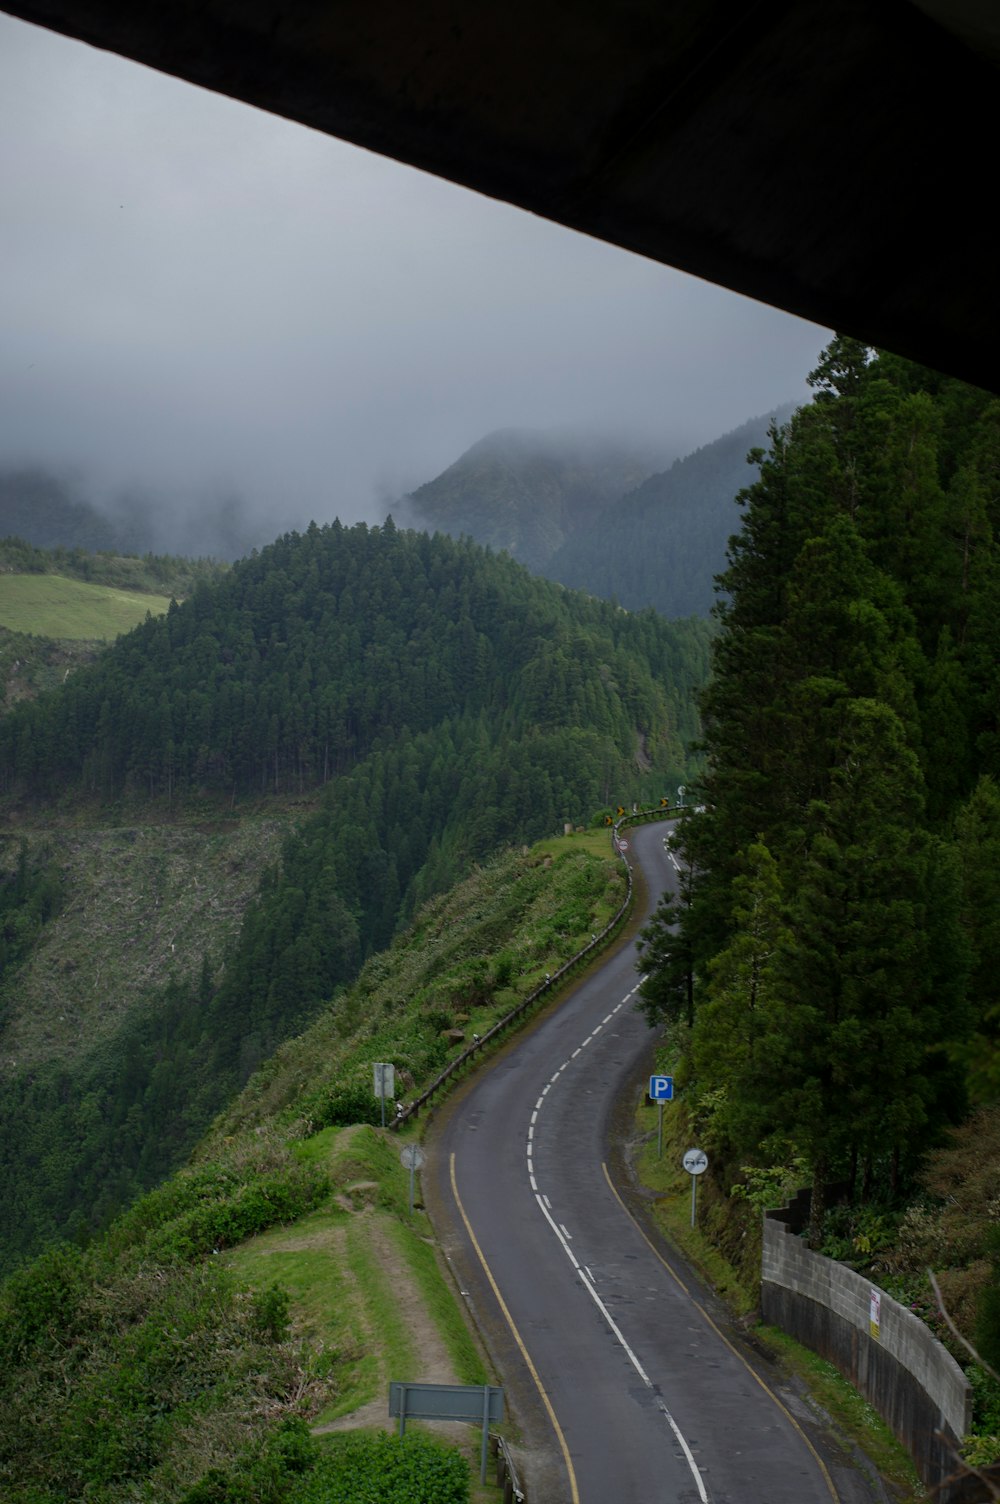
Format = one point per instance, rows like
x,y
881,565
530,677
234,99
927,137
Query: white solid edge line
x,y
619,1336
588,1285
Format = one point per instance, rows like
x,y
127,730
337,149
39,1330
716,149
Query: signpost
x,y
385,1083
661,1089
478,1403
695,1161
412,1159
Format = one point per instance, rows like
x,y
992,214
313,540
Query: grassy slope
x,y
368,1298
468,958
50,605
364,1276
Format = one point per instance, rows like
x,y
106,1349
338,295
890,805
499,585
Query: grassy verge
x,y
369,1299
850,1412
672,1212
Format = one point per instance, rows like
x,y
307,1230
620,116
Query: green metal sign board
x,y
481,1404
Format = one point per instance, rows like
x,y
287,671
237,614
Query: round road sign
x,y
696,1161
411,1157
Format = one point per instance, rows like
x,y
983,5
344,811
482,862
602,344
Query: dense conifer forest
x,y
828,970
327,647
663,544
427,700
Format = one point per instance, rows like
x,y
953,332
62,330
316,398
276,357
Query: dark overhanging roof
x,y
833,158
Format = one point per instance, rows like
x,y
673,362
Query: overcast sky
x,y
196,298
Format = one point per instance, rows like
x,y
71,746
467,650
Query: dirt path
x,y
433,1364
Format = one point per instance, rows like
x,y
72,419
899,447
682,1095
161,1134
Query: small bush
x,y
260,1203
340,1106
383,1469
268,1474
270,1313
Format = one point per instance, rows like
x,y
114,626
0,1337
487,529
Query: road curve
x,y
626,1384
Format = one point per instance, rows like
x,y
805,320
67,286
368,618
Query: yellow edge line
x,y
516,1335
734,1350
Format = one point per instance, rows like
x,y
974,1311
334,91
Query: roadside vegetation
x,y
229,1339
827,970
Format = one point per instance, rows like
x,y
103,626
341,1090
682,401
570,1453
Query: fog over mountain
x,y
527,491
205,307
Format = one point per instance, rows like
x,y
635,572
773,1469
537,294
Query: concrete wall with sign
x,y
886,1352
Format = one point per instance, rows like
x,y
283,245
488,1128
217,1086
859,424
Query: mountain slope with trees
x,y
424,701
526,492
142,1367
599,517
663,544
824,969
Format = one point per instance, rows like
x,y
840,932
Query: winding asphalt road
x,y
623,1375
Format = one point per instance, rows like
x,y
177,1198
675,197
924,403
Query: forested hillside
x,y
526,492
428,701
600,517
830,988
663,544
326,648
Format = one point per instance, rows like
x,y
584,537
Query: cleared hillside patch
x,y
49,605
146,904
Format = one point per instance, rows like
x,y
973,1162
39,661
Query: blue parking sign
x,y
661,1088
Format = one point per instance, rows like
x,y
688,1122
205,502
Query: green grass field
x,y
49,605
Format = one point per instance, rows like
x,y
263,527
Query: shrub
x,y
383,1469
341,1105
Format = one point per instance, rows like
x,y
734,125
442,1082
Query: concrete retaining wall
x,y
895,1361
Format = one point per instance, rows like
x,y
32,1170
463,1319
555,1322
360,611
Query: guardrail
x,y
513,1493
551,984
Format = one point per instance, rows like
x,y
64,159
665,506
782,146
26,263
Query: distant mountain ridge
x,y
47,511
663,544
39,508
599,515
527,491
